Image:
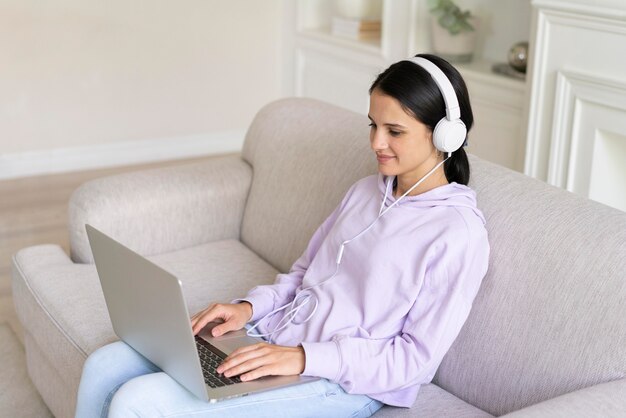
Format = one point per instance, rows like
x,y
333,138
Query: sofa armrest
x,y
165,209
604,400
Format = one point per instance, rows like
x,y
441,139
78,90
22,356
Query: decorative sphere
x,y
518,56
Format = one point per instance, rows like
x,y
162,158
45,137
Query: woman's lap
x,y
104,371
138,388
158,395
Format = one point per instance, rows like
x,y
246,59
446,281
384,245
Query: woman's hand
x,y
234,315
263,359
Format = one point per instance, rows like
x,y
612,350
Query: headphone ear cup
x,y
449,135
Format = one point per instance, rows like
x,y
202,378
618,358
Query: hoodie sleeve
x,y
377,366
266,298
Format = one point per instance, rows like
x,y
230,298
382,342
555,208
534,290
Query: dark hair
x,y
419,96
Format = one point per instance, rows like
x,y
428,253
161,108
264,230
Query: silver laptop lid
x,y
147,308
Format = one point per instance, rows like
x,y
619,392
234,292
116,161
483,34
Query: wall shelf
x,y
480,70
324,35
340,70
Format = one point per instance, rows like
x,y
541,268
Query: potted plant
x,y
453,31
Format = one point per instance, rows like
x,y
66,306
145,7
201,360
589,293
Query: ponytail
x,y
457,168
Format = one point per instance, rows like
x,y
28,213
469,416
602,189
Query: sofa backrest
x,y
305,155
550,315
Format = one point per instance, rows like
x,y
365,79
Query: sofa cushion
x,y
549,318
433,402
62,307
606,400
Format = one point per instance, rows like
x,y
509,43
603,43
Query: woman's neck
x,y
405,182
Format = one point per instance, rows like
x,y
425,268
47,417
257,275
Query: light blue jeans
x,y
119,382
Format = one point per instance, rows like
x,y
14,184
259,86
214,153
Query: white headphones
x,y
448,136
450,132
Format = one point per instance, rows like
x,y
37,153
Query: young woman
x,y
376,299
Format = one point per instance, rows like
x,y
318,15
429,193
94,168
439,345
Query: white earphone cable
x,y
296,306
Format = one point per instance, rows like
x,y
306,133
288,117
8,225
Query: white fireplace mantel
x,y
576,137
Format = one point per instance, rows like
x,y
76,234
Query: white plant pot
x,y
454,48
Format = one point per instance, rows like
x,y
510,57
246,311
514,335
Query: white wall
x,y
76,73
503,23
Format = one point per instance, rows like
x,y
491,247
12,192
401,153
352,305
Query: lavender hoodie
x,y
401,295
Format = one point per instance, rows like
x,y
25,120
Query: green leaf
x,y
447,21
466,26
455,29
450,16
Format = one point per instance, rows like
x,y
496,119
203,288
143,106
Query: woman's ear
x,y
429,135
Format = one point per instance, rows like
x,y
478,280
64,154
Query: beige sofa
x,y
547,333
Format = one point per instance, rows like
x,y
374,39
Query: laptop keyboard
x,y
210,360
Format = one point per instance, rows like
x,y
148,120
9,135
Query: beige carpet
x,y
18,397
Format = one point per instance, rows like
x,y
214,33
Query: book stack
x,y
357,29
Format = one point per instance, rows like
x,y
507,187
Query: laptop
x,y
149,313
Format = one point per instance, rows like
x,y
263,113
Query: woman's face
x,y
402,143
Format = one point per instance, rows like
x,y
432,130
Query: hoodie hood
x,y
452,194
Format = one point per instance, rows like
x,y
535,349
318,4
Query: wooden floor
x,y
33,211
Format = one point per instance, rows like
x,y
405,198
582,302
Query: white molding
x,y
345,49
34,163
564,104
419,29
574,91
537,93
318,73
548,14
395,42
582,9
609,24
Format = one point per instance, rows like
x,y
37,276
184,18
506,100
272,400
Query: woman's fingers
x,y
245,349
241,355
202,318
194,320
195,325
263,359
234,317
248,365
256,373
197,315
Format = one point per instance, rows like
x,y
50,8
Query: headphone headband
x,y
450,133
449,96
